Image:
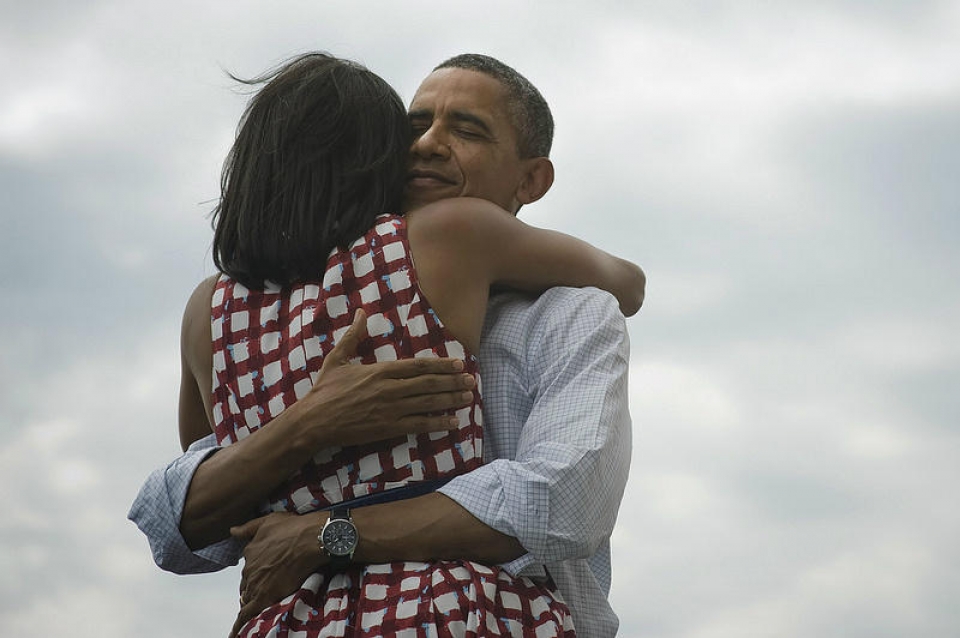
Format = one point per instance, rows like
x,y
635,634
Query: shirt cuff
x,y
157,511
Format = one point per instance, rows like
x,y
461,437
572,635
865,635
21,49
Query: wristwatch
x,y
338,539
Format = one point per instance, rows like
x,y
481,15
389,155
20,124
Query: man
x,y
557,431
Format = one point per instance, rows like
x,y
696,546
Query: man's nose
x,y
432,143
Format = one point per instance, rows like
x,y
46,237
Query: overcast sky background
x,y
785,172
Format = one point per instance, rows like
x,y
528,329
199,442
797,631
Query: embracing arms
x,y
348,404
523,494
359,404
195,501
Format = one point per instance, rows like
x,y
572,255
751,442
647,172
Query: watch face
x,y
339,537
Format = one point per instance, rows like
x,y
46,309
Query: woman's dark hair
x,y
321,150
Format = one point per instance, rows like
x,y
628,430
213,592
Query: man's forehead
x,y
459,91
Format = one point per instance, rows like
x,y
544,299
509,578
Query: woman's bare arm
x,y
486,241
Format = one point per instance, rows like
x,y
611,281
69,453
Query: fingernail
x,y
466,396
469,381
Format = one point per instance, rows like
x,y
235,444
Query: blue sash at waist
x,y
396,494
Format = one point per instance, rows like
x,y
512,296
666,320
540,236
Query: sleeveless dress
x,y
268,347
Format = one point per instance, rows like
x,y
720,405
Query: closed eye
x,y
469,125
470,134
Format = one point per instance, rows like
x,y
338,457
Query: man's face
x,y
464,142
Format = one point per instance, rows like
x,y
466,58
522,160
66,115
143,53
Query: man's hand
x,y
357,404
281,552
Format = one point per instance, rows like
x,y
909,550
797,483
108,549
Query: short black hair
x,y
530,112
320,151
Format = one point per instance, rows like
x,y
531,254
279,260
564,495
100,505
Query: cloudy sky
x,y
785,172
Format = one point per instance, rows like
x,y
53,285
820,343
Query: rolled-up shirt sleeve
x,y
565,367
159,506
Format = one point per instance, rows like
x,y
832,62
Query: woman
x,y
303,245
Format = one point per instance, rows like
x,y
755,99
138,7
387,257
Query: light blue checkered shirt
x,y
557,440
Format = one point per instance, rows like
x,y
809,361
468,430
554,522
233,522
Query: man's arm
x,y
282,549
561,471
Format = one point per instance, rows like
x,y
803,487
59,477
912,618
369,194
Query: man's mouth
x,y
427,177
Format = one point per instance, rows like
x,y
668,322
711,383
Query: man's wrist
x,y
307,552
309,429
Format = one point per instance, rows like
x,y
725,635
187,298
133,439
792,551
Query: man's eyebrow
x,y
419,114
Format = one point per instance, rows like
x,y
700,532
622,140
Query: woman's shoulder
x,y
199,301
195,328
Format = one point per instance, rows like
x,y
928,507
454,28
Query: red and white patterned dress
x,y
268,347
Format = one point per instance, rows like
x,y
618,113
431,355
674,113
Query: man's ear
x,y
537,179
